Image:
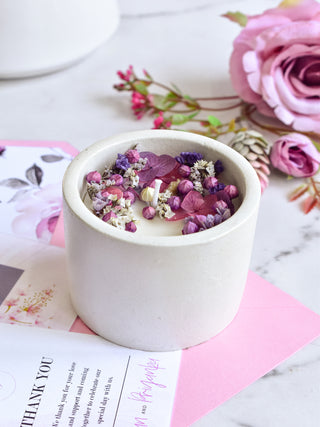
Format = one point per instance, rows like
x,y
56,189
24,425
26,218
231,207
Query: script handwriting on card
x,y
148,382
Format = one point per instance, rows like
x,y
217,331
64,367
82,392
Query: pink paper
x,y
269,327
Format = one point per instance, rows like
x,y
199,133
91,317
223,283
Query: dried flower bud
x,y
220,206
174,203
131,226
93,176
149,212
185,186
232,191
184,171
210,182
133,156
147,194
118,179
190,227
129,195
108,216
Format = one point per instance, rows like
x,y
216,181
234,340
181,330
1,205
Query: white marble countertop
x,y
188,43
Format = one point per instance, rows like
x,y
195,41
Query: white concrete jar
x,y
41,36
158,293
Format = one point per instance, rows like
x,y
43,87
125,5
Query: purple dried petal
x,y
218,167
165,164
122,162
98,204
217,188
192,202
189,158
2,149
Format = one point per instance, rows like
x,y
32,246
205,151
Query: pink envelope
x,y
269,327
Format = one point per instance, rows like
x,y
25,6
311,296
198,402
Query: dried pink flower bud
x,y
220,206
231,190
184,171
118,179
93,176
185,186
174,202
133,156
149,212
190,227
129,195
210,182
131,226
108,216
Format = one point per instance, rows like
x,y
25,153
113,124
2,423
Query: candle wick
x,y
155,197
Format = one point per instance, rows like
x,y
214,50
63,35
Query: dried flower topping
x,y
181,188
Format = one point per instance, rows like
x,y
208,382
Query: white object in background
x,y
150,292
41,36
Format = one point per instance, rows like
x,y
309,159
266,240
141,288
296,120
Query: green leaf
x,y
214,121
163,103
238,17
179,119
140,87
176,89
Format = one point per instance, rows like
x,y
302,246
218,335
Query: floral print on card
x,y
30,190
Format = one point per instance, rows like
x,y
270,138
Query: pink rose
x,y
295,155
275,64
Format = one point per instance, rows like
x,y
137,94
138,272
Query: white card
x,y
57,378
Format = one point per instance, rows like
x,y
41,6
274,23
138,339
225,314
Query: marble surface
x,y
187,42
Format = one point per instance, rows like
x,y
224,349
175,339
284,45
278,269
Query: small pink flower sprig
x,y
185,187
294,153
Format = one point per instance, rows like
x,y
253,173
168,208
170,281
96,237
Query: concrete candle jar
x,y
149,290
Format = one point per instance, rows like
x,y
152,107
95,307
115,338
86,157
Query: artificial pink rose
x,y
295,155
275,64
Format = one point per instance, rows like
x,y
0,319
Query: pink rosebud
x,y
112,190
108,216
220,206
210,182
184,171
133,156
174,202
232,191
131,226
295,155
129,195
185,186
190,227
118,179
93,176
149,212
